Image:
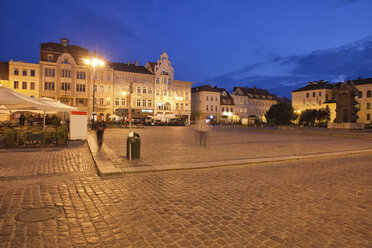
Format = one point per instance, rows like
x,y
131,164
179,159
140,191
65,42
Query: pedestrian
x,y
202,128
100,128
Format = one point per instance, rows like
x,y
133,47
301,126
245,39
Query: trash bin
x,y
135,142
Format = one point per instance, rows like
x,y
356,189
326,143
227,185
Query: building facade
x,y
24,78
318,95
205,103
252,102
227,107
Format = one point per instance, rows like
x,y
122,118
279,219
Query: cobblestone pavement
x,y
309,203
26,162
164,145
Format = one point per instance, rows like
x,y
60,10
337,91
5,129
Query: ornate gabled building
x,y
64,76
252,101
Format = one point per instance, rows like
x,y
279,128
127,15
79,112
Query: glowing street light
x,y
94,62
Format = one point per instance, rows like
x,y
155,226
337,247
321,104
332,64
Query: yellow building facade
x,y
24,78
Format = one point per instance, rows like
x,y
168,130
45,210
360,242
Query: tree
x,y
280,114
308,117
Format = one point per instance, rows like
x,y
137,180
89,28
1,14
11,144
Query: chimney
x,y
136,63
65,42
309,83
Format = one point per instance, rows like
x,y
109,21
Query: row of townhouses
x,y
318,94
219,105
62,74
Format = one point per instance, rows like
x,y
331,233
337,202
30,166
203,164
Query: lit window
x,y
150,103
144,90
138,103
138,90
116,101
144,103
122,101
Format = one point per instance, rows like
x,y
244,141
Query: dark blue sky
x,y
274,44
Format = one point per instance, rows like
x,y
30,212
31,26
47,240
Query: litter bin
x,y
135,142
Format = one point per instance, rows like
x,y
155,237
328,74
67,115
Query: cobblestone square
x,y
319,202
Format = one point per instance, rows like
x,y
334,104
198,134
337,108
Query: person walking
x,y
100,128
203,129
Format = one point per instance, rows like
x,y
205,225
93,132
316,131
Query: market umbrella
x,y
55,106
12,100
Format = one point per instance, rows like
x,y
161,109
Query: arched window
x,y
65,61
369,94
360,95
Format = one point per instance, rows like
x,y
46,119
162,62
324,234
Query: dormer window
x,y
65,61
50,58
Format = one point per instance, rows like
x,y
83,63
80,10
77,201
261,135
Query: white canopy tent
x,y
11,101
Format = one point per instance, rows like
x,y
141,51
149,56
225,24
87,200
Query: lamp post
x,y
94,62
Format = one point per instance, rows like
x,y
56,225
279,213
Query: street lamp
x,y
94,62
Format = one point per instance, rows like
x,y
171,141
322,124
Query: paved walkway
x,y
174,148
322,202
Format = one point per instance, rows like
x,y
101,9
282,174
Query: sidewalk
x,y
162,150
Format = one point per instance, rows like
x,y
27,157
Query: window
x,y
157,80
150,90
101,88
116,101
138,103
144,90
16,85
368,117
108,102
206,107
216,108
50,58
231,110
206,98
216,98
49,85
164,81
144,103
169,81
369,94
65,61
182,106
80,75
177,106
24,72
307,95
101,101
138,90
150,103
368,105
24,85
32,86
157,92
122,101
80,87
32,73
108,88
66,73
49,72
165,93
223,109
320,93
65,86
16,71
108,77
